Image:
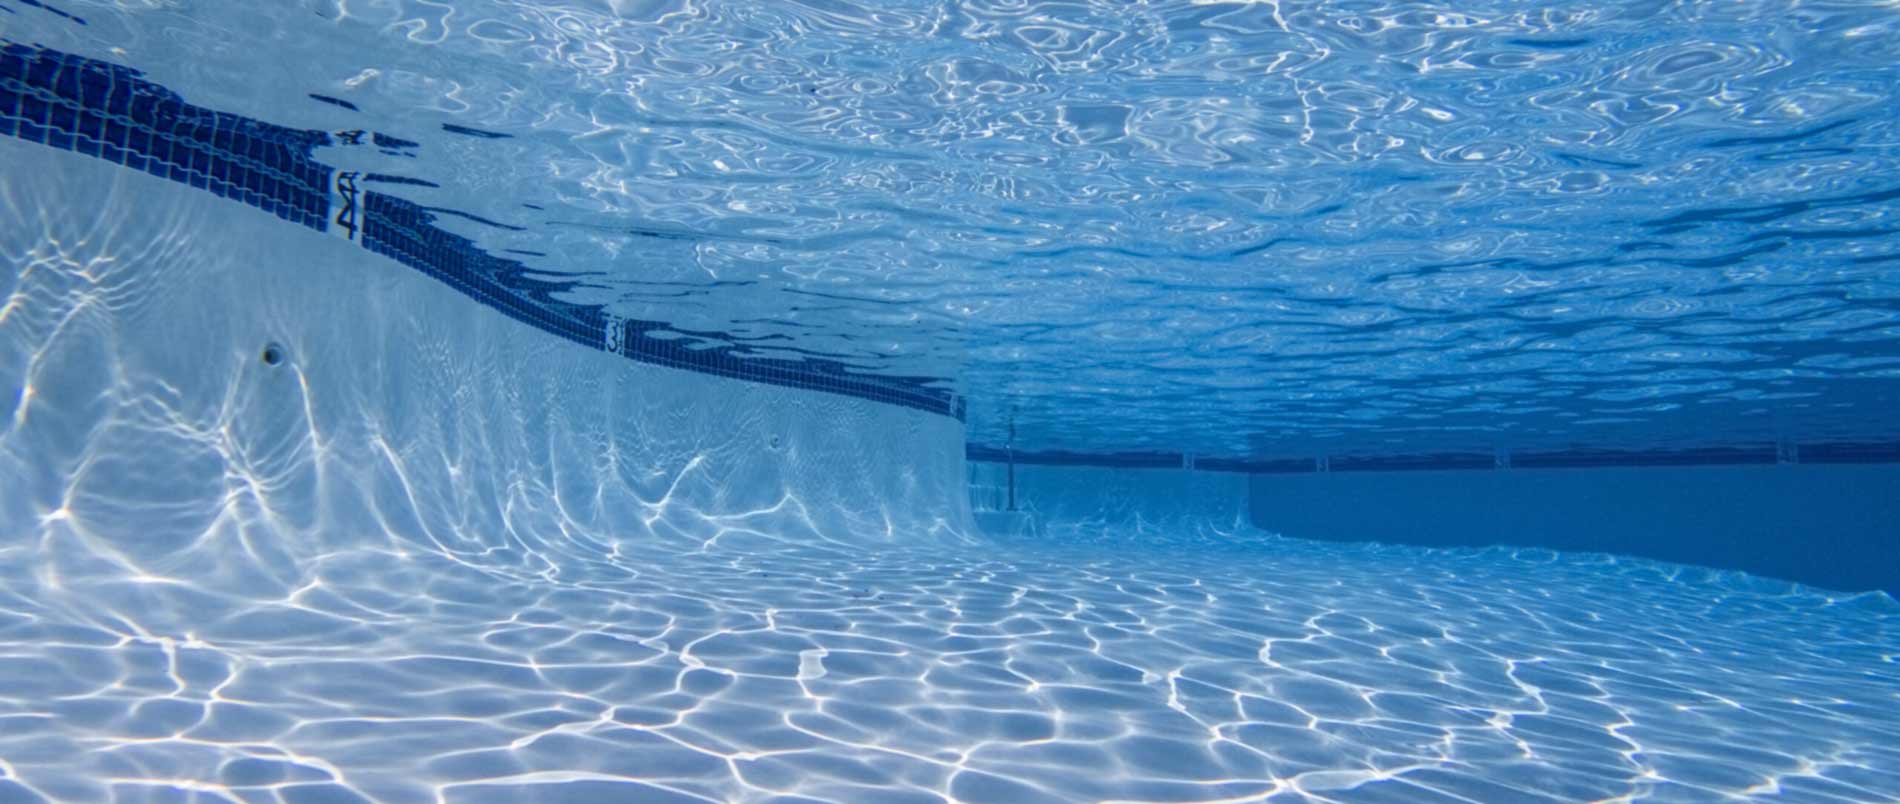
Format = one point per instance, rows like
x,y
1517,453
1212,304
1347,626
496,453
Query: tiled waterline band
x,y
1831,452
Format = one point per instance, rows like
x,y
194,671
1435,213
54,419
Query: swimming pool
x,y
647,401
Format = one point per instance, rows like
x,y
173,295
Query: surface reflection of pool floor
x,y
1017,673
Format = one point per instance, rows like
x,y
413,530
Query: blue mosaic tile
x,y
1125,460
1403,463
1280,466
1825,452
1849,453
1714,456
105,111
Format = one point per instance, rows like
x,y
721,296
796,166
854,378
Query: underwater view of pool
x,y
814,401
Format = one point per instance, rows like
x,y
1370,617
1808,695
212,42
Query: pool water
x,y
516,401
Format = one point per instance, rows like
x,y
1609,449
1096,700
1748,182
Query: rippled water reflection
x,y
1229,228
1277,669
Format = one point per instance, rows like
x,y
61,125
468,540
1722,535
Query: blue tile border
x,y
1811,453
1255,467
1710,456
110,112
1850,452
103,111
1127,460
1407,463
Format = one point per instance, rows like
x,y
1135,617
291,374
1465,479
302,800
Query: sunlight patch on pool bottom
x,y
1034,673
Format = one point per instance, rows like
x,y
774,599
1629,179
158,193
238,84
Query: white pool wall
x,y
138,412
1099,499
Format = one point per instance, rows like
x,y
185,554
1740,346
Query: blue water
x,y
1229,228
517,401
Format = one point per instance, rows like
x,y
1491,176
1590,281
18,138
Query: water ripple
x,y
1217,176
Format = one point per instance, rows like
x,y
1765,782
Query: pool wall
x,y
1090,502
105,110
145,434
1831,526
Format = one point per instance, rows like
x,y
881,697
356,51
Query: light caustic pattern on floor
x,y
1270,669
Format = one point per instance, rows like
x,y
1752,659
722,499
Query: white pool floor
x,y
1267,669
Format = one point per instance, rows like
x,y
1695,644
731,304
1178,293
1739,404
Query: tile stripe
x,y
1811,453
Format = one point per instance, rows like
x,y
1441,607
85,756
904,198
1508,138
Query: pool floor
x,y
750,668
